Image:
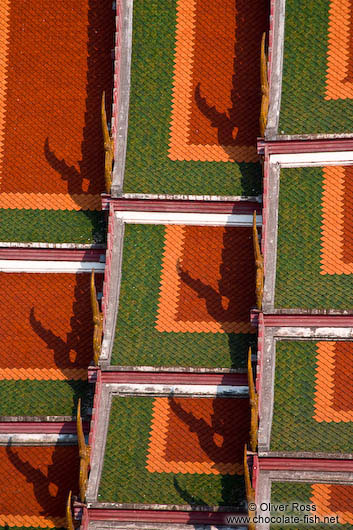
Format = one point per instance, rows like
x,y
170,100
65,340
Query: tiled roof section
x,y
194,436
330,500
46,325
207,280
334,396
311,411
35,482
148,461
45,342
324,106
190,289
195,89
50,132
50,226
337,229
314,268
42,398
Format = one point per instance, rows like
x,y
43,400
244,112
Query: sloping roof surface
x,y
56,64
314,250
317,46
185,297
313,400
35,483
195,98
45,342
330,500
175,451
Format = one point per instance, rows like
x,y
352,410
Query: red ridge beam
x,y
172,378
68,427
159,516
52,254
150,205
304,464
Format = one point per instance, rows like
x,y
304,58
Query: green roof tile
x,y
137,340
41,398
52,226
126,477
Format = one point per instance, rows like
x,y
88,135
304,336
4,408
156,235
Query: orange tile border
x,y
156,461
169,293
333,222
321,497
179,149
338,54
33,521
4,30
325,386
43,374
50,201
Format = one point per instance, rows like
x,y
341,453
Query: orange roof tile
x,y
58,62
35,482
198,435
46,325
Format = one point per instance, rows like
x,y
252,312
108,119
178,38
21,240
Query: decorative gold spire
x,y
108,148
264,87
250,492
259,263
69,518
84,454
253,405
97,322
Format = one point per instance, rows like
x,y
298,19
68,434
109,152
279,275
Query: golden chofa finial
x,y
264,88
254,422
108,148
69,518
97,322
84,454
259,263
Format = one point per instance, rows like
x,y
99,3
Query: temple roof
x,y
35,482
311,72
194,98
185,296
180,451
46,346
310,256
57,63
313,410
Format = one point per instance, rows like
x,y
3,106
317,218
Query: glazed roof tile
x,y
45,342
185,296
330,500
313,409
50,132
314,249
175,451
322,107
195,98
35,483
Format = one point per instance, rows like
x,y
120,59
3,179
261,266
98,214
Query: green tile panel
x,y
137,341
52,226
41,398
125,478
